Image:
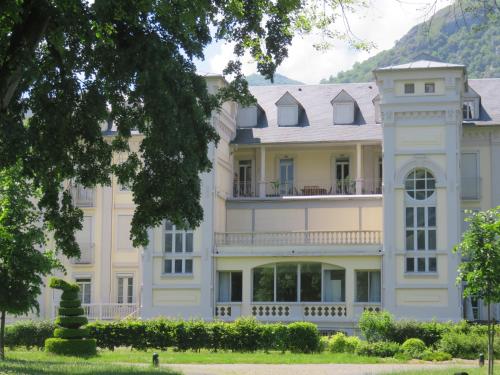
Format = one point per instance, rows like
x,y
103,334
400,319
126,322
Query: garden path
x,y
309,369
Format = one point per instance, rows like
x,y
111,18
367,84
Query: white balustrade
x,y
298,238
227,311
108,311
299,311
324,311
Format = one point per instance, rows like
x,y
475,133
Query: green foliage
x,y
340,343
414,347
28,333
468,345
71,333
376,326
378,349
69,338
436,356
71,311
74,347
303,337
448,36
70,303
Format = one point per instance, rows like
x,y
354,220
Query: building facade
x,y
324,201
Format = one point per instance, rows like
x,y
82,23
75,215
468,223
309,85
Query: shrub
x,y
463,345
437,356
273,337
376,326
245,335
340,343
303,337
413,347
378,349
70,303
76,347
69,340
28,333
159,333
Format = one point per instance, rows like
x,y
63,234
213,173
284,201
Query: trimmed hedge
x,y
28,333
71,311
70,303
71,333
378,349
71,321
76,347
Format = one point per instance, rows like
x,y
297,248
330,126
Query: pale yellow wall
x,y
179,297
275,220
434,137
422,297
337,219
419,86
372,218
239,220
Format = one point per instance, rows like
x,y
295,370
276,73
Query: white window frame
x,y
123,292
356,300
430,84
412,203
469,109
295,114
85,281
409,84
173,257
230,286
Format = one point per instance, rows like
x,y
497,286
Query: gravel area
x,y
311,369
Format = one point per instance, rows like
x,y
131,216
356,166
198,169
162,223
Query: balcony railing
x,y
299,311
82,196
108,311
247,189
471,188
86,254
299,238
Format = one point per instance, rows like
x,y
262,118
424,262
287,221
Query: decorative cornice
x,y
418,114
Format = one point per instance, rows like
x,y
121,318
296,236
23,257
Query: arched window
x,y
420,221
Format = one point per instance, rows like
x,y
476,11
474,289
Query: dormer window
x,y
288,110
247,117
430,88
344,108
468,110
409,88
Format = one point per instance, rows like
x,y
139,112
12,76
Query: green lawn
x,y
451,371
204,356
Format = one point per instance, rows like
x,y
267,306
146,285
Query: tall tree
x,y
69,66
480,269
23,263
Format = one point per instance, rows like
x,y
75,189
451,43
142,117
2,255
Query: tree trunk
x,y
492,345
490,342
2,336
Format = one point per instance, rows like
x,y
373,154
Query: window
x,y
475,307
409,88
230,285
85,292
368,286
420,222
297,282
343,113
178,250
286,177
344,184
288,115
469,164
125,289
247,117
244,183
420,184
468,112
430,88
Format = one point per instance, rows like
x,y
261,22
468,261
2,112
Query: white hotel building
x,y
324,201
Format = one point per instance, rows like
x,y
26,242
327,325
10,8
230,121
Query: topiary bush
x,y
303,337
69,338
415,348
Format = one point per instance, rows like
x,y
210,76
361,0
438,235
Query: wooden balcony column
x,y
262,176
359,168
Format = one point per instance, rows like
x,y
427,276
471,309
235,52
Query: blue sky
x,y
382,22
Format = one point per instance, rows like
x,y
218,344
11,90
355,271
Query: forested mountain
x,y
258,80
450,36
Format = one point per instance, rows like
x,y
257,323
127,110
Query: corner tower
x,y
421,115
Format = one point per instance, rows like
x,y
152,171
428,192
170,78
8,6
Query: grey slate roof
x,y
421,64
317,126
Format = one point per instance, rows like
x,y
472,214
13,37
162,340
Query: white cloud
x,y
383,22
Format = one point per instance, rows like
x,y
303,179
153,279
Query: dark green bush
x,y
378,349
303,337
160,333
376,326
273,337
71,311
245,335
69,295
28,333
71,333
76,347
71,321
413,347
468,345
70,303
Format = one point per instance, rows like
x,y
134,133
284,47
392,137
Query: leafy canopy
x,y
22,263
480,248
70,67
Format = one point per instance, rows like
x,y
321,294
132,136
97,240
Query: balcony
x,y
82,196
276,189
86,254
318,238
295,311
108,311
